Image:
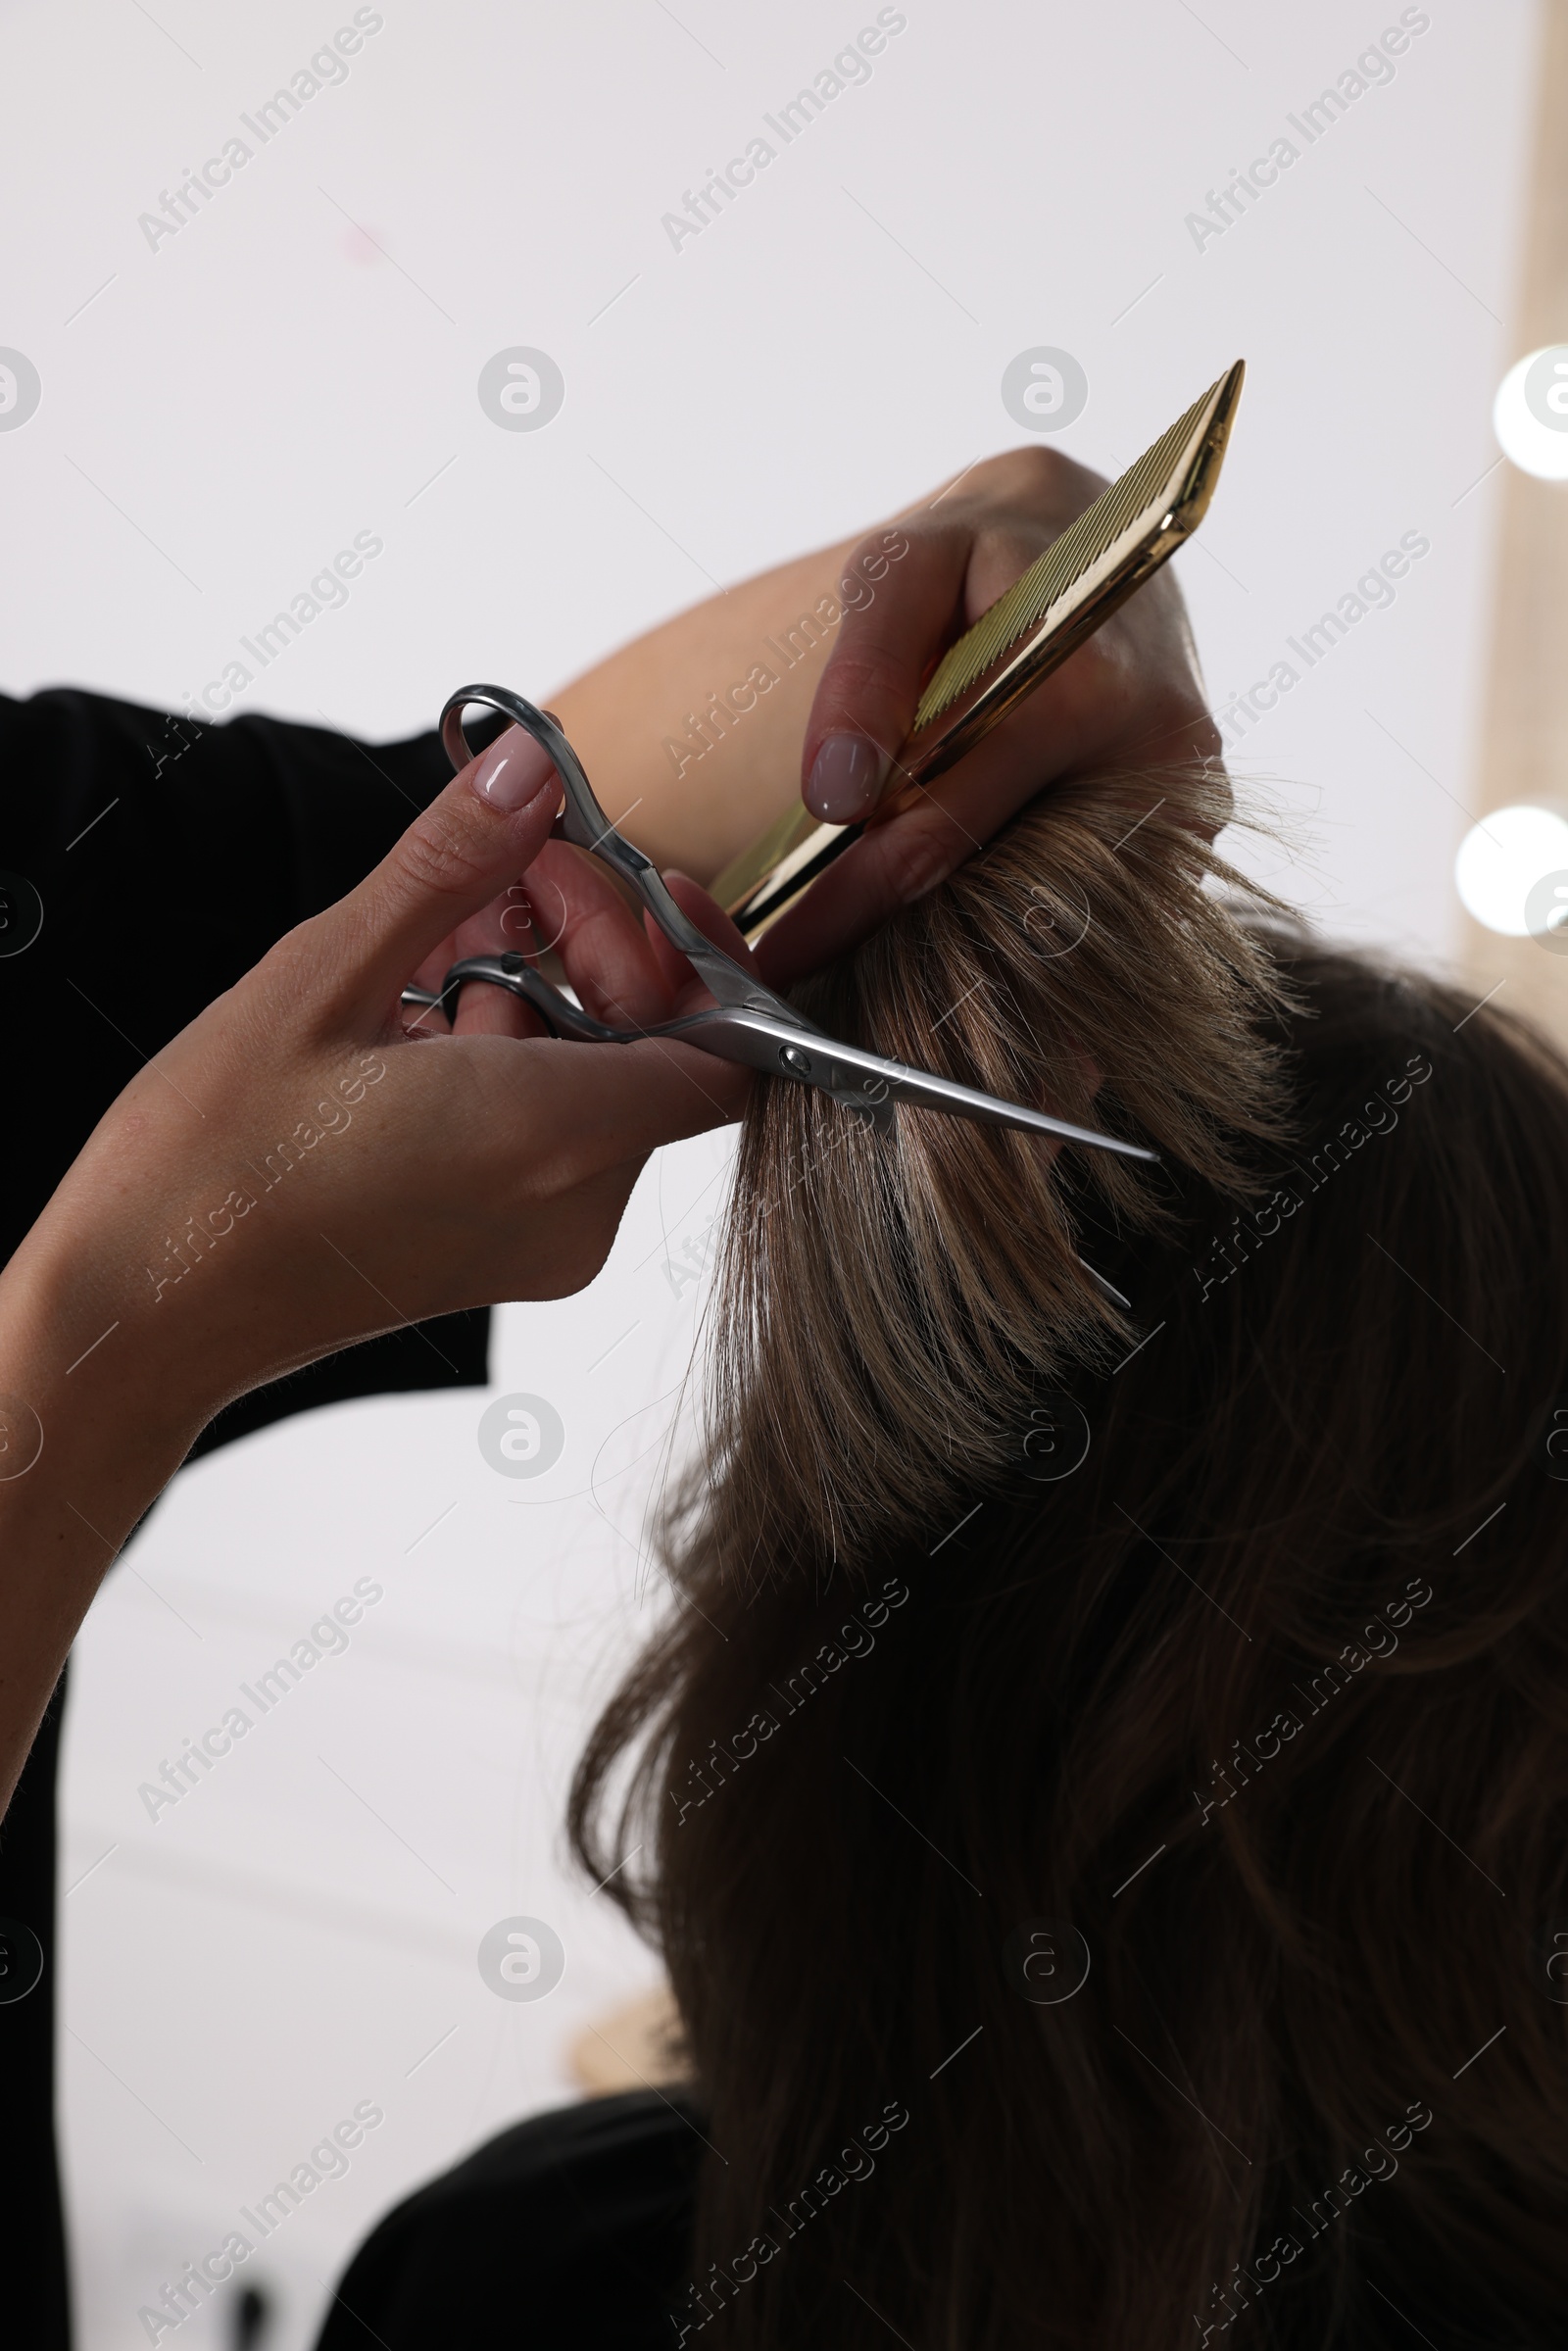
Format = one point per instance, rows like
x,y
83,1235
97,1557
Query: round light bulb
x,y
1530,415
1513,873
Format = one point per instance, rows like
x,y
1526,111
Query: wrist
x,y
86,1447
81,1352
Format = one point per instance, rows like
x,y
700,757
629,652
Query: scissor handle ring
x,y
582,821
455,743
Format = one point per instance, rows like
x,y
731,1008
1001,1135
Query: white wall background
x,y
221,415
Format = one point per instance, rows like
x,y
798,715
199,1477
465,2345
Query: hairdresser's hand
x,y
298,1168
1129,700
623,969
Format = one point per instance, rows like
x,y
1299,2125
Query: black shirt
x,y
582,2219
167,856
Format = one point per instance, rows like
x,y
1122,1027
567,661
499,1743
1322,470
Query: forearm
x,y
88,1443
692,734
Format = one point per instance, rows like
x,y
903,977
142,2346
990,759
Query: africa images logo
x,y
702,206
1373,69
194,189
522,1436
21,389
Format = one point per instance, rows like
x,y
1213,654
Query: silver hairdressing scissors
x,y
746,1023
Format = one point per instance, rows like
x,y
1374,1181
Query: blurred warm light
x,y
1505,858
1530,415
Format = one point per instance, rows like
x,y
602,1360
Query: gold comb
x,y
1113,547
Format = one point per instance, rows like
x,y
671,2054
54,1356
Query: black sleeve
x,y
146,862
162,857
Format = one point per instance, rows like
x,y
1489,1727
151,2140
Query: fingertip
x,y
510,772
847,778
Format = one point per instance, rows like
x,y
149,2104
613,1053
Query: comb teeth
x,y
1059,568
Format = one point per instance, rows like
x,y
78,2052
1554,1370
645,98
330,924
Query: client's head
x,y
1218,1650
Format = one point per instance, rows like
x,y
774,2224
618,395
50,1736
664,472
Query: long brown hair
x,y
1103,1793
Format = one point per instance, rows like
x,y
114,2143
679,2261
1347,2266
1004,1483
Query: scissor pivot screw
x,y
798,1064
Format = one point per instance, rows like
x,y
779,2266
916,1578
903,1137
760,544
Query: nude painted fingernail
x,y
847,778
511,772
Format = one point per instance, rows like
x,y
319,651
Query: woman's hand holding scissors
x,y
300,1168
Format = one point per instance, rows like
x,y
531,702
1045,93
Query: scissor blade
x,y
865,1079
785,1046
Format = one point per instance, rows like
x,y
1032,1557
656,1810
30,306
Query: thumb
x,y
489,823
870,684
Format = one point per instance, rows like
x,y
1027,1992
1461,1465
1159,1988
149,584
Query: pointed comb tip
x,y
1188,453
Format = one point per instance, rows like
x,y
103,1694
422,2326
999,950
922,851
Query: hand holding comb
x,y
1084,576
